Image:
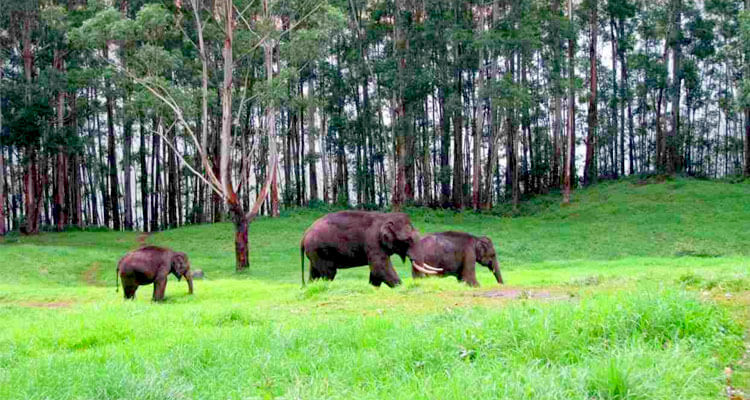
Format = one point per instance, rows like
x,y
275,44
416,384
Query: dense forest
x,y
135,114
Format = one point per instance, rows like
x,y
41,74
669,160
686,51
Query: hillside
x,y
688,219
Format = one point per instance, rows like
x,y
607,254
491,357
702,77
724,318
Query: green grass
x,y
631,292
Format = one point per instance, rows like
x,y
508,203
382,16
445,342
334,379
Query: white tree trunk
x,y
226,101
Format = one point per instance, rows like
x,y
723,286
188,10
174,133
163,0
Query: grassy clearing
x,y
632,292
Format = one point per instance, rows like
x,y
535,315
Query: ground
x,y
637,290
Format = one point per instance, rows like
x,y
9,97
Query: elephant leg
x,y
381,270
330,273
129,291
129,286
468,271
159,286
321,269
315,273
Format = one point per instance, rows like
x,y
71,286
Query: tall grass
x,y
627,346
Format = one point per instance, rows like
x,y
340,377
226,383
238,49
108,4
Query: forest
x,y
147,115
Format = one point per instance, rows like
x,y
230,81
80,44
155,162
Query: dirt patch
x,y
90,275
519,294
53,304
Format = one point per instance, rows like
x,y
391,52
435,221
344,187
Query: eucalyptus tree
x,y
569,166
745,36
589,169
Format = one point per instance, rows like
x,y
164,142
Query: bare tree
x,y
221,185
268,46
196,5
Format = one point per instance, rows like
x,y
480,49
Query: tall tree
x,y
3,227
570,156
745,34
589,169
673,163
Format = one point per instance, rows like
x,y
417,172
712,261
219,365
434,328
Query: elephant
x,y
152,264
347,239
456,253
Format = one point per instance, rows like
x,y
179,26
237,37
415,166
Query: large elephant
x,y
456,254
348,239
152,264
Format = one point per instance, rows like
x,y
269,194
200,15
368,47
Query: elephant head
x,y
485,255
398,235
180,266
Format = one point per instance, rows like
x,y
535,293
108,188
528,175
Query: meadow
x,y
636,290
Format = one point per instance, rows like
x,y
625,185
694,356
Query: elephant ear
x,y
388,233
483,247
180,263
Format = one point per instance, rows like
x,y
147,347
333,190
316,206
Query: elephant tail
x,y
117,277
302,261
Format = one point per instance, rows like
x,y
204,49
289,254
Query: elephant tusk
x,y
431,268
433,271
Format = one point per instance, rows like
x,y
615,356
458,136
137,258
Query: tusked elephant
x,y
348,239
152,264
456,253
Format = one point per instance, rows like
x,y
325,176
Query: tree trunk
x,y
127,134
311,137
33,191
111,152
286,149
427,139
445,145
3,227
570,159
528,144
400,46
557,93
589,169
60,214
623,92
512,176
458,137
324,157
747,108
615,100
676,37
144,174
156,176
268,47
476,175
32,187
172,183
631,134
206,194
660,137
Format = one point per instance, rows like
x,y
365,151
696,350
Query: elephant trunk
x,y
496,271
189,279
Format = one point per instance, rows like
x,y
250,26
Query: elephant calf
x,y
152,264
456,253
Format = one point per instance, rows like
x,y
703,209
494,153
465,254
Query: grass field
x,y
634,291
